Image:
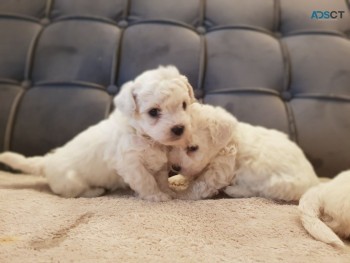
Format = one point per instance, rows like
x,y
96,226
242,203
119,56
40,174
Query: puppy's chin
x,y
189,176
178,142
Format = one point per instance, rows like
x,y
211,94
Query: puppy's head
x,y
212,130
157,104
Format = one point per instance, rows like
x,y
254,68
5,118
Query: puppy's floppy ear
x,y
191,93
221,127
189,88
125,101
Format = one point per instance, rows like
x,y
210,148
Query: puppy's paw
x,y
160,197
93,192
169,191
184,195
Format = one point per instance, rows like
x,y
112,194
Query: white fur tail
x,y
31,165
310,208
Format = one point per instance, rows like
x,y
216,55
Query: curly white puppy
x,y
241,159
128,148
326,207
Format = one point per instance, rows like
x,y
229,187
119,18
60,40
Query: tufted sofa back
x,y
267,61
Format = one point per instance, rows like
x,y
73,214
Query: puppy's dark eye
x,y
154,112
184,105
192,148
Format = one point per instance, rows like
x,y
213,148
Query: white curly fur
x,y
240,159
128,148
326,208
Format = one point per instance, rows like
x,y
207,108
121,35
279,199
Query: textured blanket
x,y
37,226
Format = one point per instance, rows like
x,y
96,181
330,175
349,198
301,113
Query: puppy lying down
x,y
128,148
326,208
240,159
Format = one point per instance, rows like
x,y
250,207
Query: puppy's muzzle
x,y
178,130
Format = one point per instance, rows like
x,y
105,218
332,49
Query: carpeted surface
x,y
37,226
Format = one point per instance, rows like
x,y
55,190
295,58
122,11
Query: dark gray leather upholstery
x,y
266,61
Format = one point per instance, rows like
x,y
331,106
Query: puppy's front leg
x,y
218,175
197,189
142,182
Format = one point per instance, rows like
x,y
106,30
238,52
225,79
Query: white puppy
x,y
241,159
326,207
128,148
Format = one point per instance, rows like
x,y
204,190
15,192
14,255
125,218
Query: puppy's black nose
x,y
176,168
178,130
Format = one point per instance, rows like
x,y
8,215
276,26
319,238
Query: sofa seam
x,y
11,120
